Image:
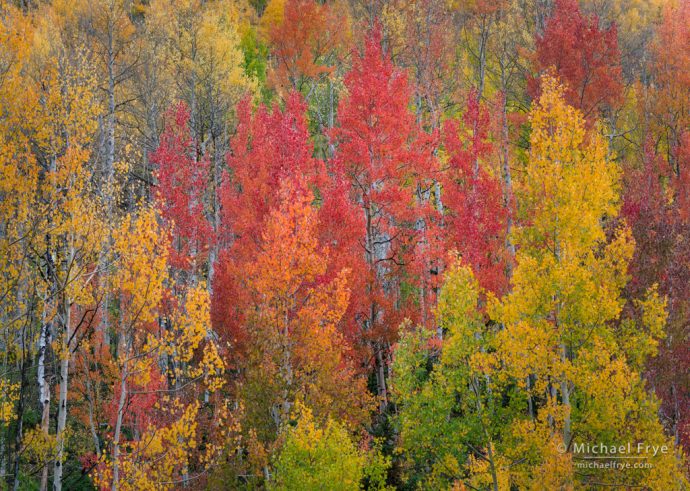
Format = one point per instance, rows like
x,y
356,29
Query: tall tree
x,y
182,180
655,207
306,39
475,218
576,372
113,38
449,422
68,224
162,348
422,37
386,157
669,101
585,57
19,205
316,456
201,51
297,352
268,147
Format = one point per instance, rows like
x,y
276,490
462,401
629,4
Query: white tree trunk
x,y
44,389
118,428
62,400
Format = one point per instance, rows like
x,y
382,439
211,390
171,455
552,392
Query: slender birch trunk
x,y
62,400
44,388
120,415
376,347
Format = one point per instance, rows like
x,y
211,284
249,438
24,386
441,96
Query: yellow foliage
x,y
156,460
142,252
202,48
272,16
39,446
318,456
570,184
558,319
10,396
481,477
190,327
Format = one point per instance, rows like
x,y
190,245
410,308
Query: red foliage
x,y
657,205
268,147
669,111
308,33
682,187
271,147
584,56
339,223
182,179
476,217
387,159
662,255
88,461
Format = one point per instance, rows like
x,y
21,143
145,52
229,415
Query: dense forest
x,y
345,244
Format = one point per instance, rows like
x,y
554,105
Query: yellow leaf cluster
x,y
10,396
559,343
190,328
318,456
202,43
158,459
140,246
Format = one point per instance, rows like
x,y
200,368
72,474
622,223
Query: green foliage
x,y
323,456
446,417
255,60
197,296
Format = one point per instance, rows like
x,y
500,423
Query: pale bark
x,y
380,368
62,399
92,423
44,389
118,426
286,370
381,378
565,396
109,167
505,165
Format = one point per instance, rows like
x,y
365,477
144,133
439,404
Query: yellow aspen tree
x,y
68,225
559,344
156,453
18,192
138,282
448,420
20,224
322,455
106,27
